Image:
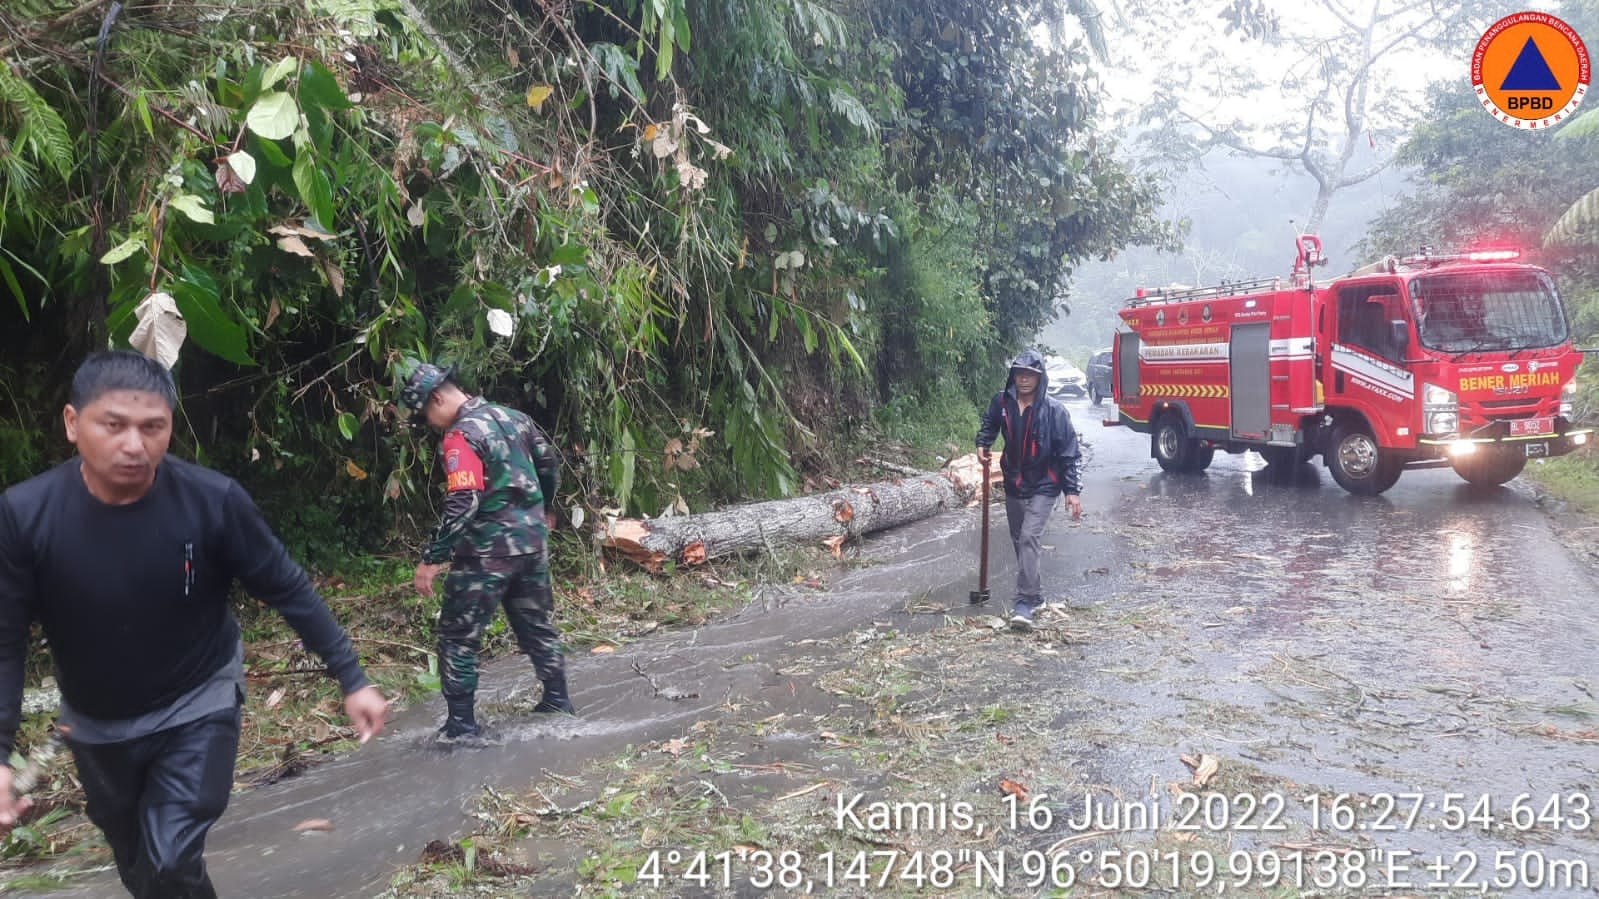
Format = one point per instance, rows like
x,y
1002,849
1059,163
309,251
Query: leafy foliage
x,y
739,222
1576,224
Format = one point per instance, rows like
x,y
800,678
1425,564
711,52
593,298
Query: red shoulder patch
x,y
463,470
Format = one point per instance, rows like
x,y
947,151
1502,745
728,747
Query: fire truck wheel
x,y
1201,458
1490,469
1172,446
1357,463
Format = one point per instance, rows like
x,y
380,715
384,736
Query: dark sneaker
x,y
1021,616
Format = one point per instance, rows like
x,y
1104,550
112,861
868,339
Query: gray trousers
x,y
1027,518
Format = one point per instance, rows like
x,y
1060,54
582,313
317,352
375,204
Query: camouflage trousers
x,y
472,590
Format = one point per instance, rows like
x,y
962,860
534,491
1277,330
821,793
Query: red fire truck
x,y
1463,360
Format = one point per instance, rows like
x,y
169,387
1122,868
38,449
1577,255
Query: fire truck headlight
x,y
1568,397
1462,448
1440,410
1433,395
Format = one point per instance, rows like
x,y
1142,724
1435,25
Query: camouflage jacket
x,y
499,470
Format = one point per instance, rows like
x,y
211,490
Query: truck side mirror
x,y
1399,335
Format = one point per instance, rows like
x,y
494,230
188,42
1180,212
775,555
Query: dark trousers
x,y
473,589
155,798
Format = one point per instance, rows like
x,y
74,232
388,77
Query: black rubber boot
x,y
555,698
460,722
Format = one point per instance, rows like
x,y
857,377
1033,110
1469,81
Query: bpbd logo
x,y
1530,70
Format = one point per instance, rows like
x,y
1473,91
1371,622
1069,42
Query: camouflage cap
x,y
424,379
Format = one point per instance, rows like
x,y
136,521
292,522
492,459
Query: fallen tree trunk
x,y
828,518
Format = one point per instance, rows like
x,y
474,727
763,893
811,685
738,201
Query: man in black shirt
x,y
126,559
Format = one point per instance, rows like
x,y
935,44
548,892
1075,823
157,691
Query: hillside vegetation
x,y
707,245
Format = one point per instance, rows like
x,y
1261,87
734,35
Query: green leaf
x,y
124,303
619,68
680,23
315,189
319,87
274,116
850,351
193,207
623,468
42,130
663,54
319,127
348,425
802,320
209,327
1576,223
272,153
123,250
279,70
243,165
462,299
569,254
495,295
141,105
10,277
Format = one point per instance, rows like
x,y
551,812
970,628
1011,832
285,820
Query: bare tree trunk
x,y
827,518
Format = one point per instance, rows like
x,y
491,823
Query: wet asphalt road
x,y
1437,641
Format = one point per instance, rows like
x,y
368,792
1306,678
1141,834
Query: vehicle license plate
x,y
1523,427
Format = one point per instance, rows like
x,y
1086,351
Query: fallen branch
x,y
894,467
827,518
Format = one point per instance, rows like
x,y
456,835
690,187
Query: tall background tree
x,y
1328,90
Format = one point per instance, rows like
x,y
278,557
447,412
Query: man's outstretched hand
x,y
366,708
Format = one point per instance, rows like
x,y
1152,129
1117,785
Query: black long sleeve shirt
x,y
134,599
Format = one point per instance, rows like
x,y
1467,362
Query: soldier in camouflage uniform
x,y
499,471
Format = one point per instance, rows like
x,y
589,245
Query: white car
x,y
1065,379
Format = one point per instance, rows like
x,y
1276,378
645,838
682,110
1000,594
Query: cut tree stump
x,y
827,518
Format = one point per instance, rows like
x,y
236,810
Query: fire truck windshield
x,y
1469,311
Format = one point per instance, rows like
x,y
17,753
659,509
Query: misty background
x,y
1243,215
1205,102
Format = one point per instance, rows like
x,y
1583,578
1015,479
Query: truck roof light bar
x,y
1428,258
1155,295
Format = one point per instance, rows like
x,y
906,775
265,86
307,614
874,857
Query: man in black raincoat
x,y
1041,462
